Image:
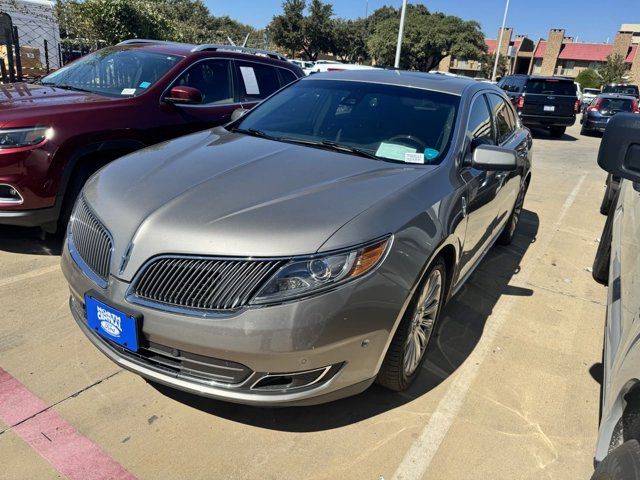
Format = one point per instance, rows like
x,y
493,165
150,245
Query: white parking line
x,y
418,458
26,276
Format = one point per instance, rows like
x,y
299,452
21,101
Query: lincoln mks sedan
x,y
306,249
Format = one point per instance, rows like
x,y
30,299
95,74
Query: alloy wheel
x,y
423,322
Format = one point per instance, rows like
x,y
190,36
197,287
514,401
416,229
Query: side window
x,y
212,78
479,124
286,77
504,123
257,81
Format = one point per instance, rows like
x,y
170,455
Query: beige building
x,y
557,55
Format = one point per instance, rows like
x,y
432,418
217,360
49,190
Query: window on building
x,y
537,65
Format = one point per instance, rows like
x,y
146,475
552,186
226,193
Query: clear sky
x,y
589,20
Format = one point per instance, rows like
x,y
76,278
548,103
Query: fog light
x,y
9,194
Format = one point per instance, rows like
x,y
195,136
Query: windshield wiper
x,y
66,87
254,132
332,146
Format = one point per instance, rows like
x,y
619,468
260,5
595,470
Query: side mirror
x,y
237,113
491,157
184,94
620,148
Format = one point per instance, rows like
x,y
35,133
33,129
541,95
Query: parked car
x,y
57,132
597,115
306,249
306,66
588,96
549,102
622,89
331,66
617,264
579,92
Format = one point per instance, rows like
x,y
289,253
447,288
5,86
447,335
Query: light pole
x,y
504,21
400,34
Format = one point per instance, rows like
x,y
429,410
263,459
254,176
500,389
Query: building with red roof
x,y
557,55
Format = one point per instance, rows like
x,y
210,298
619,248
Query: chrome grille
x,y
91,240
203,283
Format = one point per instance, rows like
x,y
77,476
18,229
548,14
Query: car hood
x,y
220,193
29,95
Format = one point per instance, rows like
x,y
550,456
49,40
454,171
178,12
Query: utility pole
x,y
400,34
504,21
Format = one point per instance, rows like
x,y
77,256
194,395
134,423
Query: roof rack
x,y
147,40
234,48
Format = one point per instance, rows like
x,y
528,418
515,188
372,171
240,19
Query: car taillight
x,y
520,102
596,106
576,106
634,106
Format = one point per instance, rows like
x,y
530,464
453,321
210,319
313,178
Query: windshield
x,y
113,72
616,105
551,86
622,89
387,122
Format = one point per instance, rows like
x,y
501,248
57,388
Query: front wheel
x,y
406,352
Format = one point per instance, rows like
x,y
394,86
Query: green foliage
x,y
614,70
312,34
349,40
105,22
589,78
428,38
487,63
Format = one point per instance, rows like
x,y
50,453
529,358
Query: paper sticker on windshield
x,y
250,81
144,84
431,153
394,151
128,91
410,157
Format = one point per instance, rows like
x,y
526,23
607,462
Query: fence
x,y
29,40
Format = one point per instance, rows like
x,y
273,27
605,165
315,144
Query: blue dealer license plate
x,y
112,324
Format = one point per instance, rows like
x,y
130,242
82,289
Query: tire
x,y
402,364
600,269
584,132
607,199
622,463
509,231
557,132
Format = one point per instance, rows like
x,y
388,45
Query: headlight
x,y
302,277
24,137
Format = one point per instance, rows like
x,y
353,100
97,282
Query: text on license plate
x,y
112,324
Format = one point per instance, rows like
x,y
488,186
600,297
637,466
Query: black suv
x,y
549,102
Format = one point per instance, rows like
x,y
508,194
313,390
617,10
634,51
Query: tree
x,y
589,78
488,61
312,34
349,40
286,30
100,22
614,70
428,38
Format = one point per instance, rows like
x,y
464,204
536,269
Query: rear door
x,y
550,97
256,81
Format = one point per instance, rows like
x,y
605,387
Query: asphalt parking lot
x,y
509,390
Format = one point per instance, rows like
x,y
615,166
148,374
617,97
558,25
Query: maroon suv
x,y
55,133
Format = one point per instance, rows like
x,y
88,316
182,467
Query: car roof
x,y
188,49
402,78
540,77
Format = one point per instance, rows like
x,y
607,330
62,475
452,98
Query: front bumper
x,y
29,218
348,329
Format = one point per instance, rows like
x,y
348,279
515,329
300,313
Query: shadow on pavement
x,y
460,328
544,133
29,241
